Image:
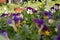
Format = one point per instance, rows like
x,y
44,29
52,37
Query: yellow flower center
x,y
47,33
45,16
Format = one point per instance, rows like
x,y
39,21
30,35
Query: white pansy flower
x,y
53,10
56,29
29,11
56,7
50,21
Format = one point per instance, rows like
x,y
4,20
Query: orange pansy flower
x,y
18,9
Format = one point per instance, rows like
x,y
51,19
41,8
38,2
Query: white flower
x,y
56,7
56,29
50,21
29,11
53,10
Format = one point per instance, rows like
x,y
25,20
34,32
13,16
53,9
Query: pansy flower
x,y
3,15
47,15
12,24
40,22
15,14
18,9
30,10
51,21
56,6
52,9
17,19
9,21
4,33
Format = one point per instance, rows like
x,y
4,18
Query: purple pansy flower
x,y
16,18
46,13
15,14
9,21
3,15
8,14
4,33
40,22
30,8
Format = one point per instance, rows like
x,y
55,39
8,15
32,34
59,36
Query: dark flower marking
x,y
30,8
